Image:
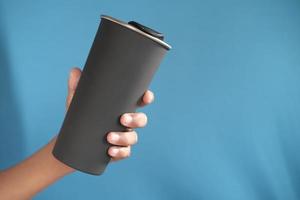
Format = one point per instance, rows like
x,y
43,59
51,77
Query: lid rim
x,y
126,25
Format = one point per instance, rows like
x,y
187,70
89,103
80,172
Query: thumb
x,y
74,76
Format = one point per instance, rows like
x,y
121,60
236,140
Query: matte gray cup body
x,y
119,68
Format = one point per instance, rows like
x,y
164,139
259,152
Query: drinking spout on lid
x,y
147,30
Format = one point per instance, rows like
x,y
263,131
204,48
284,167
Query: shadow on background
x,y
12,143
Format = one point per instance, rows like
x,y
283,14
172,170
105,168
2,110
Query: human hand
x,y
42,169
122,140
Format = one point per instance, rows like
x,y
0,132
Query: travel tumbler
x,y
119,68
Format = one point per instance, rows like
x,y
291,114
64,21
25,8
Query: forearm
x,y
32,175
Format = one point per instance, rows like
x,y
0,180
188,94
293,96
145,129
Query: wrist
x,y
60,168
33,174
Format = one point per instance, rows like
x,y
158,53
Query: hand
x,y
42,169
122,140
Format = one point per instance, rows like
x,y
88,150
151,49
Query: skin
x,y
41,169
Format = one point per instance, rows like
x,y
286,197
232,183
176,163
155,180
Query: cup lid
x,y
141,29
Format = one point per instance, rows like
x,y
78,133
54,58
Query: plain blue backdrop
x,y
226,120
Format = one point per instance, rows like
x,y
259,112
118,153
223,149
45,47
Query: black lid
x,y
147,30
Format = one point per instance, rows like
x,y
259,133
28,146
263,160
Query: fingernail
x,y
114,137
128,119
114,152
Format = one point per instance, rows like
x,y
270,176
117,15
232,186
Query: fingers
x,y
148,98
134,120
118,153
74,76
122,138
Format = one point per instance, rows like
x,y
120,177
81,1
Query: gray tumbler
x,y
119,68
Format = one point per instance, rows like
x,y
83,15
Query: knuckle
x,y
131,138
125,152
143,120
135,137
153,96
125,139
128,152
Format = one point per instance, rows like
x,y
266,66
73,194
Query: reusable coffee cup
x,y
120,66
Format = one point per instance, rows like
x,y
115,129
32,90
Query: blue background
x,y
225,123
